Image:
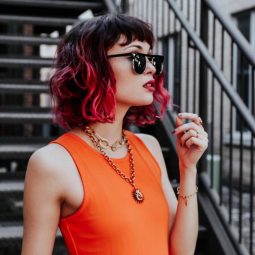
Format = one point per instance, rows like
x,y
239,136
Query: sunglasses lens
x,y
157,61
139,63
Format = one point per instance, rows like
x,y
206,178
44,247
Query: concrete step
x,y
11,239
33,40
23,88
70,5
11,186
49,21
17,151
26,62
25,117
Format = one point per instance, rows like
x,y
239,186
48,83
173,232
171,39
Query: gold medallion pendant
x,y
138,195
101,143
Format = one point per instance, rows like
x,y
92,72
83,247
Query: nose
x,y
150,68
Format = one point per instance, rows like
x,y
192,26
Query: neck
x,y
110,131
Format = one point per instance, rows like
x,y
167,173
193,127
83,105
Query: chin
x,y
144,102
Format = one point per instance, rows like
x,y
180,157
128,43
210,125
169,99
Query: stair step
x,y
35,40
10,186
14,230
78,5
26,62
23,88
25,117
49,21
18,81
26,139
8,176
18,151
11,234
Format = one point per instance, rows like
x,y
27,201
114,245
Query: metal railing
x,y
210,71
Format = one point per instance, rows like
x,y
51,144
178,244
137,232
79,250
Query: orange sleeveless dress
x,y
109,220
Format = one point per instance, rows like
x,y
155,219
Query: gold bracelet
x,y
186,197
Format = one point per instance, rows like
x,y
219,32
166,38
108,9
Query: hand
x,y
192,140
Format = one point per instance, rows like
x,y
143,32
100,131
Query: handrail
x,y
235,98
110,6
236,35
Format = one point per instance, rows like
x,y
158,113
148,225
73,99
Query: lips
x,y
150,85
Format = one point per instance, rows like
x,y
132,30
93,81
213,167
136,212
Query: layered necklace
x,y
101,144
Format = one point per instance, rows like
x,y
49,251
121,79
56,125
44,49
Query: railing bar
x,y
231,154
175,22
194,79
253,91
188,10
187,75
181,5
140,10
195,20
222,49
212,131
169,20
156,8
240,189
144,10
251,193
221,134
163,18
180,56
147,11
232,63
231,130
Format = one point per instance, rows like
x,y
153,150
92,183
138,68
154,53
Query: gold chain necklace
x,y
105,143
136,193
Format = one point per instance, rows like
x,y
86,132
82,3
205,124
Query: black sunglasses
x,y
139,61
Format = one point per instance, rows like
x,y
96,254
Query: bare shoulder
x,y
154,147
49,159
151,142
50,166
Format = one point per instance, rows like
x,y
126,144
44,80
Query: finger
x,y
201,144
187,115
191,116
190,133
179,121
187,126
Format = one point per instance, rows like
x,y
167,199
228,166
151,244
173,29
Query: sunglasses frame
x,y
149,56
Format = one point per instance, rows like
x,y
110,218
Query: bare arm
x,y
183,220
42,201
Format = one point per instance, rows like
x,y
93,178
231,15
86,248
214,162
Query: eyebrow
x,y
137,46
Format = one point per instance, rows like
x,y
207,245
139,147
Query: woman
x,y
106,187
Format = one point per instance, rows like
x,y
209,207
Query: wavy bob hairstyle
x,y
83,86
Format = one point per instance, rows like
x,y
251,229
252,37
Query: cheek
x,y
122,71
129,90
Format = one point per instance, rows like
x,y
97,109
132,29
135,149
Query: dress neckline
x,y
92,149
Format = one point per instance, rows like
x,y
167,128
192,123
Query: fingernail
x,y
180,115
201,121
173,132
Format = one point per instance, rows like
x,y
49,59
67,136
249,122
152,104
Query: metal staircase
x,y
26,29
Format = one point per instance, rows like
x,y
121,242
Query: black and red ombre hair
x,y
83,84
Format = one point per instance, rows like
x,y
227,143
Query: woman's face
x,y
132,89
